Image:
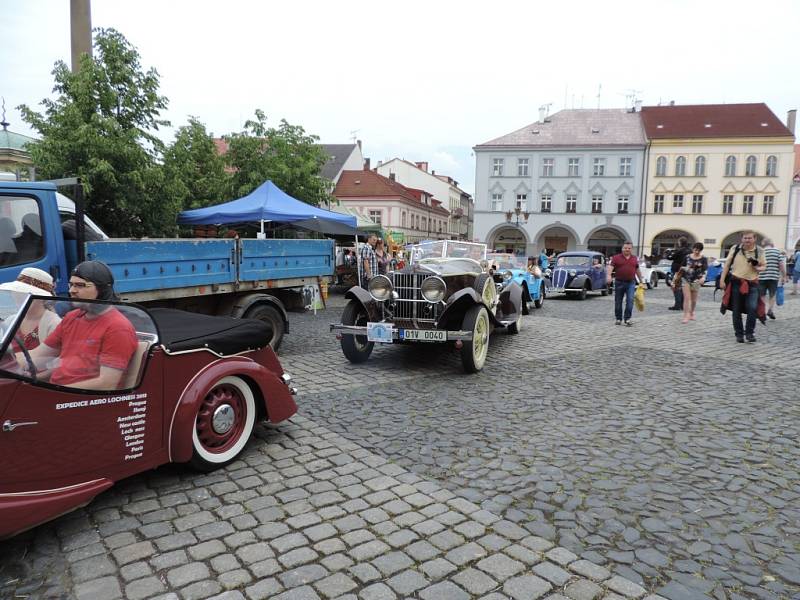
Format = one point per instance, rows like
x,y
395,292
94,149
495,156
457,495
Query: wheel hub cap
x,y
223,419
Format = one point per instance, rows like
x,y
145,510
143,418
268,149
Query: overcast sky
x,y
420,80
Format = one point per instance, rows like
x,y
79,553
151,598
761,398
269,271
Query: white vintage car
x,y
649,274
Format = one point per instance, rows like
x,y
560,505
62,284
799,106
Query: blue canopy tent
x,y
270,203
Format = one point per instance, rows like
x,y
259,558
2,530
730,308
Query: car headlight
x,y
380,288
433,289
507,275
573,273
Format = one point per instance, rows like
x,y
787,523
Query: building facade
x,y
414,214
714,171
793,230
341,157
14,155
443,188
570,181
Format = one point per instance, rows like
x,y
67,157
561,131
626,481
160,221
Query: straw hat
x,y
31,281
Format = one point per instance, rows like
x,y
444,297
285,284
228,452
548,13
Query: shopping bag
x,y
779,296
638,297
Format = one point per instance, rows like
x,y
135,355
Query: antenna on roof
x,y
4,123
354,135
599,90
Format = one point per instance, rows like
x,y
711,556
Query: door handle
x,y
11,426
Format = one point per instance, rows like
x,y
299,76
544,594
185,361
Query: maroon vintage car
x,y
183,388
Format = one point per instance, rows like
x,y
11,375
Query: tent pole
x,y
358,260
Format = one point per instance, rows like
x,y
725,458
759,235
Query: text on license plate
x,y
424,335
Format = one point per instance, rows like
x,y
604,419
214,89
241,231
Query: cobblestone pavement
x,y
544,476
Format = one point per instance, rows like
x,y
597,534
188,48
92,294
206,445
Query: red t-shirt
x,y
624,268
85,344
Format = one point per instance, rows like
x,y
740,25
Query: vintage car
x,y
534,283
191,389
578,273
714,270
664,269
445,294
649,274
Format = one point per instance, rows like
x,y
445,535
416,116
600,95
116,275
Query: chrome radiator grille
x,y
560,278
410,305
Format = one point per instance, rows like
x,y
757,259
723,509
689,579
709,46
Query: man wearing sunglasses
x,y
94,343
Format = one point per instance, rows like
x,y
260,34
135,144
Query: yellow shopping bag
x,y
638,297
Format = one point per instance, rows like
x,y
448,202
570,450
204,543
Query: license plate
x,y
423,335
380,332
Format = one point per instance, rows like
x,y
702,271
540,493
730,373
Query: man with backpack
x,y
740,273
678,259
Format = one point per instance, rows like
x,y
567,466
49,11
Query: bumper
x,y
464,336
557,290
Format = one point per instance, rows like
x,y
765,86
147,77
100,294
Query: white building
x,y
576,175
443,188
341,157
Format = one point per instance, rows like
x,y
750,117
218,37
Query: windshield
x,y
508,261
11,304
573,261
448,249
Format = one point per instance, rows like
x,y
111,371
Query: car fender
x,y
457,306
511,300
367,301
272,394
579,281
239,305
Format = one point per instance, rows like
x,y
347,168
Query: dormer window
x,y
595,130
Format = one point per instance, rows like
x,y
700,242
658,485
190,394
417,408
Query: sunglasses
x,y
80,284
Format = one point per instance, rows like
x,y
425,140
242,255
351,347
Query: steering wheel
x,y
8,361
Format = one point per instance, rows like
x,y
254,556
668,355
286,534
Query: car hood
x,y
449,266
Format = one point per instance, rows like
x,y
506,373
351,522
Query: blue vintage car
x,y
578,273
533,283
714,270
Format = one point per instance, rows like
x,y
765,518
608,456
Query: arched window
x,y
700,166
680,166
772,166
750,166
730,166
661,166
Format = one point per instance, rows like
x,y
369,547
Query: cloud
x,y
446,161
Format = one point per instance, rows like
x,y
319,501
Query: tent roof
x,y
269,203
364,223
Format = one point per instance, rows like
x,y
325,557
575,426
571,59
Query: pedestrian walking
x,y
694,275
744,264
678,260
381,256
796,272
544,262
774,273
625,269
368,260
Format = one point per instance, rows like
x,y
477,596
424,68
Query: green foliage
x,y
193,165
287,155
101,127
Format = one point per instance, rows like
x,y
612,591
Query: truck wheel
x,y
473,352
266,313
356,348
224,422
540,300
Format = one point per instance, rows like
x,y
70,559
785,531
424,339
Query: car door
x,y
599,275
68,435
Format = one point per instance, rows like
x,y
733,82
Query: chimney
x,y
542,114
391,176
672,102
433,172
637,106
791,116
422,165
359,144
366,164
380,162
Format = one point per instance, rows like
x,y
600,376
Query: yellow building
x,y
14,156
714,171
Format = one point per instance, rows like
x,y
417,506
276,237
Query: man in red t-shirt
x,y
93,343
625,269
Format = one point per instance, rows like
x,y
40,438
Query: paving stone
x,y
444,590
589,570
368,551
144,588
298,556
105,588
625,587
562,556
552,573
225,562
263,589
377,591
465,554
288,542
421,551
392,562
526,587
135,570
337,562
254,553
364,572
330,546
475,582
583,589
500,567
134,552
400,538
235,579
92,568
265,568
437,568
169,559
335,585
302,575
302,593
320,532
186,574
407,582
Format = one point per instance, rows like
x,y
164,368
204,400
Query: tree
x,y
194,166
287,155
101,127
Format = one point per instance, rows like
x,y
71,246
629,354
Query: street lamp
x,y
516,215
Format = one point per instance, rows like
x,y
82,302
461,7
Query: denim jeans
x,y
623,288
744,304
678,294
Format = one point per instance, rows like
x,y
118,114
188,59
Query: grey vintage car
x,y
446,295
